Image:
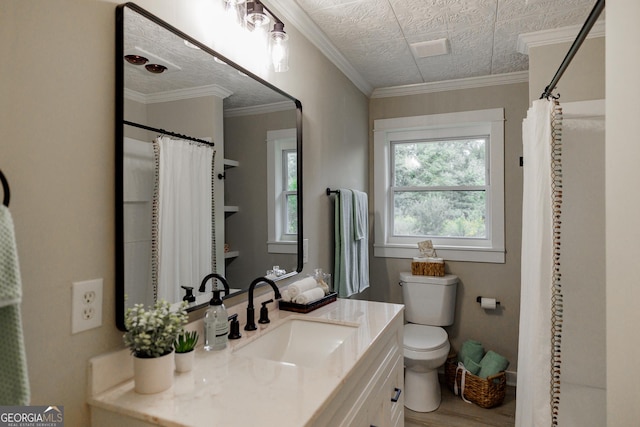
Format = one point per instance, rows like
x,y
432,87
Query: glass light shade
x,y
256,15
279,48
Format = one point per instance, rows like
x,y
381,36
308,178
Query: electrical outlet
x,y
86,305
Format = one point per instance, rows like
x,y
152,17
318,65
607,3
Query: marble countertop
x,y
228,389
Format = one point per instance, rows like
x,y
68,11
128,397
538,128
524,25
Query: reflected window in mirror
x,y
282,190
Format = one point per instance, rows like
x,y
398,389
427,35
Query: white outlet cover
x,y
86,305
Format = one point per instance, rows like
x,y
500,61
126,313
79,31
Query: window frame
x,y
448,125
278,241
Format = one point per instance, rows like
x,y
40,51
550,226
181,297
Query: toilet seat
x,y
425,338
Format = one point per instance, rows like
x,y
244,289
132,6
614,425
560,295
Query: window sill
x,y
470,254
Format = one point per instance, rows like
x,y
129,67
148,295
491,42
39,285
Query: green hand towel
x,y
471,349
491,364
14,380
471,366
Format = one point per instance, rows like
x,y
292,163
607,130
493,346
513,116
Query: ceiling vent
x,y
430,48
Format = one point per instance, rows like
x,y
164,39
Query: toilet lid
x,y
423,337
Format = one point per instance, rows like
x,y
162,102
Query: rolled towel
x,y
309,296
285,295
491,364
471,366
296,288
471,349
323,285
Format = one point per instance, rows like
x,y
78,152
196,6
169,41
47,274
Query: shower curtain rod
x,y
582,35
166,132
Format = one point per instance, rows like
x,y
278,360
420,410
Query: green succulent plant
x,y
186,342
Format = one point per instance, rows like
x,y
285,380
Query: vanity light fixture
x,y
256,18
279,48
256,15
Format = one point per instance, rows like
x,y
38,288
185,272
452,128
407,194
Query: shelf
x,y
228,163
231,254
231,209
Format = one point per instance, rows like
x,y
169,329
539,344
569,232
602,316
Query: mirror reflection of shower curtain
x,y
540,298
184,229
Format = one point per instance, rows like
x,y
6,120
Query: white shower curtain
x,y
537,350
184,215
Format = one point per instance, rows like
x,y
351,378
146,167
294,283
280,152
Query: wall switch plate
x,y
86,305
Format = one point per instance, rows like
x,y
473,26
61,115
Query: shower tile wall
x,y
582,398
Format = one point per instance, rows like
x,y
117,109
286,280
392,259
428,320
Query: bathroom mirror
x,y
172,86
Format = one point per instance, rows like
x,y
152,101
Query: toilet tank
x,y
429,300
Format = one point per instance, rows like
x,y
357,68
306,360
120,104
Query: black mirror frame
x,y
119,146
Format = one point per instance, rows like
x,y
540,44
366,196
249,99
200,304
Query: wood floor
x,y
454,412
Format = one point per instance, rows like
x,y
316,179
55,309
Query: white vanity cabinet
x,y
359,385
372,394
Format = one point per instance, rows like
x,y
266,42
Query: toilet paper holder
x,y
479,300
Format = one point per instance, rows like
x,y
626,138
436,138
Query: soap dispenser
x,y
216,325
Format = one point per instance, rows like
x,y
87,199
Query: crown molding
x,y
178,94
258,109
558,35
293,13
446,85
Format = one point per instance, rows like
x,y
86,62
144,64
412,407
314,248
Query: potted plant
x,y
151,333
184,346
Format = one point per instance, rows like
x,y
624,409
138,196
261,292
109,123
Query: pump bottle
x,y
216,325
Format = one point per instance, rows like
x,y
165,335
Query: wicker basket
x,y
485,393
427,268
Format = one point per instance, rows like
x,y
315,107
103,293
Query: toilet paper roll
x,y
488,303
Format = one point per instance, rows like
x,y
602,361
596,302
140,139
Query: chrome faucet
x,y
217,276
251,312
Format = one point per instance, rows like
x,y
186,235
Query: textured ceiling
x,y
188,69
374,35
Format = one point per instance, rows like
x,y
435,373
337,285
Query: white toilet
x,y
429,304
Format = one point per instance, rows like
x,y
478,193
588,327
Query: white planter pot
x,y
153,375
184,361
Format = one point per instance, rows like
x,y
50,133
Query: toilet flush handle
x,y
401,283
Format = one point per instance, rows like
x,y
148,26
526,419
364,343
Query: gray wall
x,y
497,330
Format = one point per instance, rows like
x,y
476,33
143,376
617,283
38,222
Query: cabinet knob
x,y
397,393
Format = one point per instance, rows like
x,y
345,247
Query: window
x,y
289,194
282,190
440,177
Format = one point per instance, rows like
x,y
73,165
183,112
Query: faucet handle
x,y
234,328
264,312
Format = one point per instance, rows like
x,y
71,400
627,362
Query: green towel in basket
x,y
491,364
471,349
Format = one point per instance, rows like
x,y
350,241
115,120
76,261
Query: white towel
x,y
309,296
14,380
296,288
285,295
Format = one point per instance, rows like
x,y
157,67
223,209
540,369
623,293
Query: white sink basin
x,y
299,342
